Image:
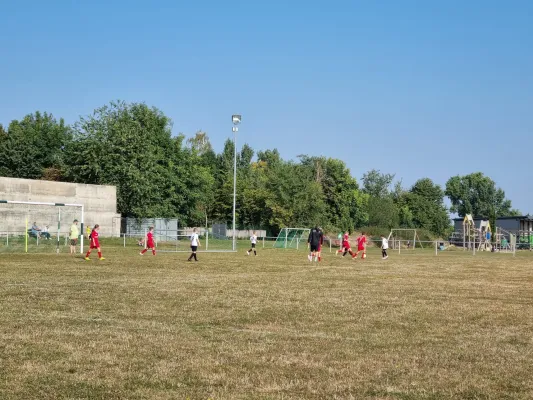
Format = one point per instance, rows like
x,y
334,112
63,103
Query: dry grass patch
x,y
266,327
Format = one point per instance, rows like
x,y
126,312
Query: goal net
x,y
34,227
404,239
292,238
181,241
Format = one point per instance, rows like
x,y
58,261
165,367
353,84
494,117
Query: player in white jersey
x,y
195,243
253,241
384,247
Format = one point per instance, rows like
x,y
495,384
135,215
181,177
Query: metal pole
x,y
464,236
206,239
234,182
58,228
81,231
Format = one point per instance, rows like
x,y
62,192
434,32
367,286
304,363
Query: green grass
x,y
269,327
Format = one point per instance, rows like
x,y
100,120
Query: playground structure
x,y
476,238
505,241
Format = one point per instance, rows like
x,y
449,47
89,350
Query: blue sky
x,y
434,88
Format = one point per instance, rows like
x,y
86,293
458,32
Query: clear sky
x,y
417,88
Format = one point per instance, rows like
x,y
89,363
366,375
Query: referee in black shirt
x,y
314,240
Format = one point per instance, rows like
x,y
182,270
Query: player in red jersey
x,y
95,243
361,245
346,248
150,243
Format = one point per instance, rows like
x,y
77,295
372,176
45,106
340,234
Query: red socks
x,y
99,254
153,252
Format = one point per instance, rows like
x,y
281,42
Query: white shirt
x,y
384,243
253,239
45,229
194,239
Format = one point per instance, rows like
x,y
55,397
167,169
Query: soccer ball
x,y
364,256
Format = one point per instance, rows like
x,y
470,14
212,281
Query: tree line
x,y
131,146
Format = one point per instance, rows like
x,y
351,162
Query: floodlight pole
x,y
236,119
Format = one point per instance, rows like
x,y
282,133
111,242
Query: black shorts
x,y
314,247
194,248
253,245
73,242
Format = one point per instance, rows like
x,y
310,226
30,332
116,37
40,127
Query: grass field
x,y
269,327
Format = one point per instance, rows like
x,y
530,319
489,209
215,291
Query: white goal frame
x,y
414,240
38,203
185,235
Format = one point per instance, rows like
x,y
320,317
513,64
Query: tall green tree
x,y
382,210
130,146
295,199
478,195
340,192
33,147
425,201
377,184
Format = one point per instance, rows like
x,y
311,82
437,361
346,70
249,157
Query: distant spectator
x,y
45,232
35,230
74,233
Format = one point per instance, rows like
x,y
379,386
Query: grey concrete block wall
x,y
100,204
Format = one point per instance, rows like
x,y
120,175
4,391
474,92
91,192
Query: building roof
x,y
518,218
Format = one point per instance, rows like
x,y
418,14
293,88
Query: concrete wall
x,y
100,203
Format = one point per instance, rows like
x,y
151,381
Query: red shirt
x,y
94,237
346,237
150,238
361,240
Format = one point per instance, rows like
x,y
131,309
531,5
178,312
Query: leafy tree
x,y
295,199
130,146
33,147
271,157
382,212
426,203
339,190
478,195
200,145
377,184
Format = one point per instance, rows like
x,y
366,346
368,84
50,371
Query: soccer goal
x,y
291,238
37,227
408,238
180,242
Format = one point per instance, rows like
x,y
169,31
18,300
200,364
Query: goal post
x,y
180,242
18,217
290,238
405,236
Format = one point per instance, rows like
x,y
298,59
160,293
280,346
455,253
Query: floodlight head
x,y
236,119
